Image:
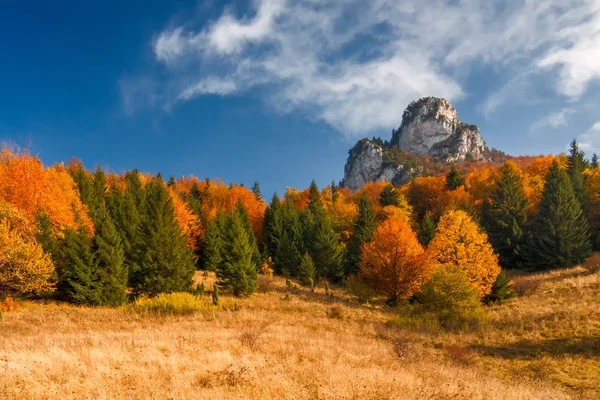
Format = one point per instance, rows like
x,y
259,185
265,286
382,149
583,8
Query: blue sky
x,y
278,91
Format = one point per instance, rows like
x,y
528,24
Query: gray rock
x,y
430,126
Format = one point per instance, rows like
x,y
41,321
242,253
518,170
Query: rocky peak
x,y
430,126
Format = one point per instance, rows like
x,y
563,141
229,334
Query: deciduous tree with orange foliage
x,y
459,243
393,263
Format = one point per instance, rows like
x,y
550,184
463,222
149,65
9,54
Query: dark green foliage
x,y
594,161
213,243
426,230
171,182
321,240
272,226
454,179
47,239
559,232
389,196
238,271
110,263
290,244
77,277
256,191
200,289
243,214
165,262
364,226
215,295
501,290
504,217
576,165
307,273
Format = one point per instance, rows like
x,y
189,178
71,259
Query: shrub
x,y
592,265
501,290
250,334
335,312
8,305
215,295
360,290
171,303
200,289
526,285
452,299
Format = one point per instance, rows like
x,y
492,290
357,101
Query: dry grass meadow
x,y
544,344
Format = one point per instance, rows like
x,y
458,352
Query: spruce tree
x,y
364,226
213,243
237,272
171,182
426,230
504,217
594,161
166,264
47,239
307,273
389,196
576,165
256,191
321,240
272,226
559,232
454,179
78,279
110,262
243,213
290,244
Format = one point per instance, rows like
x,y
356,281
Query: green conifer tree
x,y
238,272
256,191
454,179
307,272
213,243
290,245
243,213
594,161
426,230
272,225
78,279
166,264
47,239
364,226
171,182
504,217
110,262
559,232
389,196
576,165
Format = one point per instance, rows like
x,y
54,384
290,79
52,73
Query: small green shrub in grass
x,y
171,303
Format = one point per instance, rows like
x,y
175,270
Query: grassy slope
x,y
543,345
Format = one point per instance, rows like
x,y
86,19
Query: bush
x,y
335,312
8,305
171,303
526,285
360,290
452,299
501,290
592,265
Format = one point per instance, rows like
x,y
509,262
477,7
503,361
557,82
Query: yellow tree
x,y
24,267
460,244
393,263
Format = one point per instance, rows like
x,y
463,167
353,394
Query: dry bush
x,y
526,285
360,290
265,284
9,304
335,312
460,355
250,334
592,265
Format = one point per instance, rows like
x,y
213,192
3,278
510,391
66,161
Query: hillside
x,y
544,344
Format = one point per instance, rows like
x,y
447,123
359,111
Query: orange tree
x,y
393,263
460,244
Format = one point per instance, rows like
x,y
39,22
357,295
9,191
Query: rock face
x,y
430,126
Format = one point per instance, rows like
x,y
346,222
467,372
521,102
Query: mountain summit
x,y
430,126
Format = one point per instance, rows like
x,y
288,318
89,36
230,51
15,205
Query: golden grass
x,y
543,345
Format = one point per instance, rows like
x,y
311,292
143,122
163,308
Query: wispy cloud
x,y
590,140
356,65
553,120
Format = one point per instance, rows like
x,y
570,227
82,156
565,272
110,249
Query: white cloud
x,y
553,120
356,64
590,140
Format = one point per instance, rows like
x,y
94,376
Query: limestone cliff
x,y
430,126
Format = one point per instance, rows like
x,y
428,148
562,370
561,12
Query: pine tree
x,y
78,279
426,230
504,217
243,213
256,191
454,179
47,239
576,165
307,272
321,240
213,244
237,272
171,182
110,262
290,244
594,161
364,226
559,232
389,196
272,226
166,264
